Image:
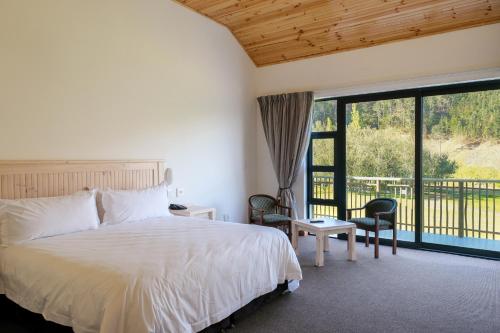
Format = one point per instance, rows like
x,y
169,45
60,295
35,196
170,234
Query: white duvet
x,y
176,274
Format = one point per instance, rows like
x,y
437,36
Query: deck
x,y
468,242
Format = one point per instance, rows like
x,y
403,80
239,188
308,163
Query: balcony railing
x,y
453,207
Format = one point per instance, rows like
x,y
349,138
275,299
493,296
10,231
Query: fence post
x,y
377,188
460,209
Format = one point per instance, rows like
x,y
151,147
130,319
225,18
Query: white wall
x,y
130,79
453,52
411,61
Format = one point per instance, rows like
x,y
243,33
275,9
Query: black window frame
x,y
339,168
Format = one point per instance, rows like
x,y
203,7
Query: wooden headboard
x,y
32,179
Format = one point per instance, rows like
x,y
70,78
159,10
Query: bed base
x,y
245,311
14,318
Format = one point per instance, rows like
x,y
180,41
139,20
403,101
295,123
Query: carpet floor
x,y
414,291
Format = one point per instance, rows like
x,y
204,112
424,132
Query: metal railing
x,y
454,207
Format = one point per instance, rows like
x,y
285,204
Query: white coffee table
x,y
322,230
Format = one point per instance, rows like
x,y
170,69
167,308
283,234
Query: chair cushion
x,y
268,205
370,222
273,218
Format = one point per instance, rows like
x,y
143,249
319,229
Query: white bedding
x,y
174,274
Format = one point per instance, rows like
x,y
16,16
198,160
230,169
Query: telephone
x,y
177,207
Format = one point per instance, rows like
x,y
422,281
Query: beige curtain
x,y
287,125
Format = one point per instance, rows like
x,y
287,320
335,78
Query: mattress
x,y
174,274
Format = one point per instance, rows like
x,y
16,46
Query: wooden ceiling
x,y
275,31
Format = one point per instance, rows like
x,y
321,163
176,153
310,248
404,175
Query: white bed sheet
x,y
174,274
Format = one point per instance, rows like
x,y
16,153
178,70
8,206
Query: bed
x,y
172,274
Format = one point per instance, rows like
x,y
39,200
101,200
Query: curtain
x,y
287,125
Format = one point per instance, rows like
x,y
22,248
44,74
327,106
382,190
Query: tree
x,y
355,119
472,116
324,110
438,165
390,153
380,134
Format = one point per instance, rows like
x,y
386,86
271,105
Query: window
x,y
435,150
321,160
461,169
380,158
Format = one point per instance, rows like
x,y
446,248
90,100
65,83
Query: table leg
x,y
352,244
326,244
320,257
295,238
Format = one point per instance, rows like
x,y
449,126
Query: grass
x,y
476,159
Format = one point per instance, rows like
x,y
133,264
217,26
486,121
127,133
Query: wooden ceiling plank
x,y
410,21
342,20
371,36
246,20
404,18
310,15
292,53
322,40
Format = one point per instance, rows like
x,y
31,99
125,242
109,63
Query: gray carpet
x,y
415,291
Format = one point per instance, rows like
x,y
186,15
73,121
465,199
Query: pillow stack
x,y
28,219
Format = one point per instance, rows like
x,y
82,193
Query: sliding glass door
x,y
461,170
435,150
380,158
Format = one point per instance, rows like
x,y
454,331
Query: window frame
x,y
339,168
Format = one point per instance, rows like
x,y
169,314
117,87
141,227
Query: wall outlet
x,y
180,192
225,217
170,192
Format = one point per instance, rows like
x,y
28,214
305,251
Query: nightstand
x,y
196,211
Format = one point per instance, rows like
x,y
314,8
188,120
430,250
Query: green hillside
x,y
479,159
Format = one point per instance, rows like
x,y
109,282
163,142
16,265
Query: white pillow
x,y
27,219
134,205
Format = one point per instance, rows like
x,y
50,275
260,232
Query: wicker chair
x,y
380,214
267,211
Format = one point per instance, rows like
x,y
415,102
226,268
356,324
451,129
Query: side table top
x,y
192,209
328,224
